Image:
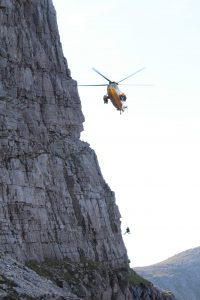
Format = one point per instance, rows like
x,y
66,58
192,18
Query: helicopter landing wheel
x,y
123,98
105,99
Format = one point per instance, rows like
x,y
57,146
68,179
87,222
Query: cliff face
x,y
54,203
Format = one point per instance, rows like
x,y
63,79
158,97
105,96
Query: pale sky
x,y
149,155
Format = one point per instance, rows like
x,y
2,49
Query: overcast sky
x,y
149,155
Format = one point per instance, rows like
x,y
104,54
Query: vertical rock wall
x,y
54,202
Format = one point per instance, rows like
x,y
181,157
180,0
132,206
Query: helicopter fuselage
x,y
116,96
113,92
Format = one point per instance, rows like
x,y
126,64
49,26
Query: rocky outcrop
x,y
142,289
20,282
143,292
56,210
64,280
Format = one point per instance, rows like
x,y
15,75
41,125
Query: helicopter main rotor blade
x,y
136,84
101,74
92,84
131,74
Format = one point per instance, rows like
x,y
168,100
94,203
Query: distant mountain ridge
x,y
180,274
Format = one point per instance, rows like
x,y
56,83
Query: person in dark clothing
x,y
127,230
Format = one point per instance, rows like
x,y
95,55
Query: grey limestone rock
x,y
54,201
20,282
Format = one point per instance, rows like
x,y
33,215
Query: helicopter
x,y
116,97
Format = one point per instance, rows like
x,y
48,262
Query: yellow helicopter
x,y
113,92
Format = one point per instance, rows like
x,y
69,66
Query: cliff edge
x,y
57,214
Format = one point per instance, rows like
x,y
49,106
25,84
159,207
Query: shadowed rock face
x,y
54,202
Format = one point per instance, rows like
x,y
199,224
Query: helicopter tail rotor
x,y
93,84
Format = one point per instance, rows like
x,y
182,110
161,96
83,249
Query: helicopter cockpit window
x,y
115,86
